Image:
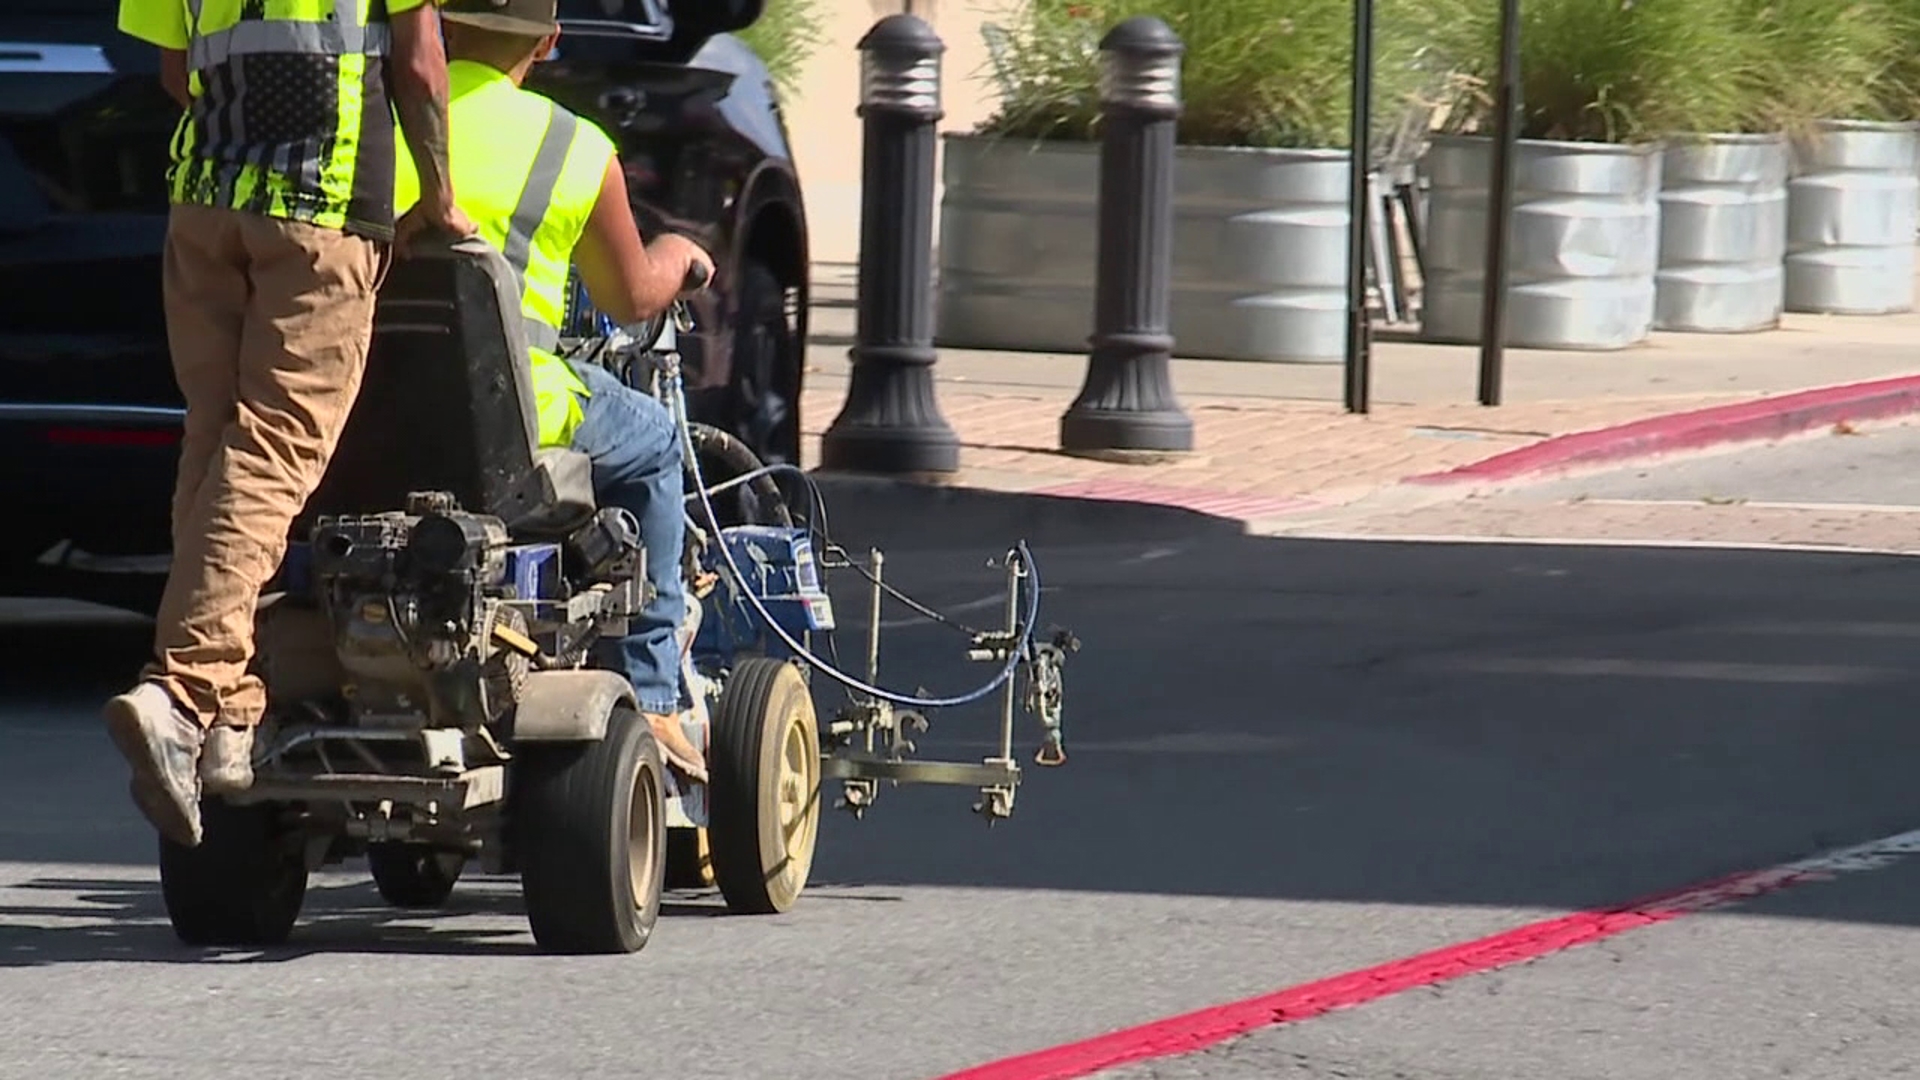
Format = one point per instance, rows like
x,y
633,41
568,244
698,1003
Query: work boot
x,y
162,744
226,763
678,749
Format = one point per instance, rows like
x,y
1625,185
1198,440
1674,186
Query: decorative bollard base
x,y
891,422
1126,437
1127,407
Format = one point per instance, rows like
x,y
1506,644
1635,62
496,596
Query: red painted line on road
x,y
1745,421
1198,1030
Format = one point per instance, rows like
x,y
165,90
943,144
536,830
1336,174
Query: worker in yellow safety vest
x,y
545,187
278,236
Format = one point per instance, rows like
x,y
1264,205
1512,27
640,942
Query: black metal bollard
x,y
1127,401
891,421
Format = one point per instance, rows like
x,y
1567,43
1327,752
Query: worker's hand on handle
x,y
430,216
698,274
691,266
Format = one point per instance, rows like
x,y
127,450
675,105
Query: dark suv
x,y
89,414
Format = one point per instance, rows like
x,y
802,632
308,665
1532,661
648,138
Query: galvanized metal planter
x,y
1016,254
1851,217
1259,249
1723,234
1583,252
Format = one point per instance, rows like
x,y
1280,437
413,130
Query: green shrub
x,y
1626,70
785,36
1824,59
1607,70
1897,91
1260,73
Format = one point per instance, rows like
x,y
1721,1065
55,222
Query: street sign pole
x,y
1493,310
1359,357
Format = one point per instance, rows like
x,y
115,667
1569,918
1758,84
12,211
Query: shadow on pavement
x,y
1470,724
123,920
862,512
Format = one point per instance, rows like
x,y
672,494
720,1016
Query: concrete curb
x,y
1747,421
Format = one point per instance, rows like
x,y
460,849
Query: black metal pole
x,y
1359,205
891,421
1127,401
1493,300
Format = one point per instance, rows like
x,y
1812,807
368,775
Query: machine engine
x,y
422,615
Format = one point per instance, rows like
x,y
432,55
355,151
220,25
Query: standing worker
x,y
280,232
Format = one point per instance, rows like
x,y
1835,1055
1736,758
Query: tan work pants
x,y
268,322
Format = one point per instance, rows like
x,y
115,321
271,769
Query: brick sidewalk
x,y
1272,439
1252,458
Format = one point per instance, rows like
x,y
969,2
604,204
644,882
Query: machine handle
x,y
696,278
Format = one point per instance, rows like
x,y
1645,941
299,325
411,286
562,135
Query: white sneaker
x,y
162,744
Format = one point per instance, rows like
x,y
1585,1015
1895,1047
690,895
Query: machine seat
x,y
447,403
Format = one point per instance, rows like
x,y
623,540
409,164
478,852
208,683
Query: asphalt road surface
x,y
1291,759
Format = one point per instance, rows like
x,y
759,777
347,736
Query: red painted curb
x,y
1202,1028
1745,421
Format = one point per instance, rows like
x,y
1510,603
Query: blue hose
x,y
1023,637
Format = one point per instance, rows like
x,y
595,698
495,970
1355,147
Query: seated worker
x,y
545,187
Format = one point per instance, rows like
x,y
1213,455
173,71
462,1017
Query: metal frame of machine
x,y
436,695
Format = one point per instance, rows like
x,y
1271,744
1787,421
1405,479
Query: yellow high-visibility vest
x,y
528,173
291,116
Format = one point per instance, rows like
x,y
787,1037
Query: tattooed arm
x,y
418,69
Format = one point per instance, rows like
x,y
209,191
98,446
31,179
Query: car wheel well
x,y
774,241
773,288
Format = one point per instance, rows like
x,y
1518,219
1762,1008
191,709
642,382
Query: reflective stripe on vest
x,y
535,200
344,34
311,39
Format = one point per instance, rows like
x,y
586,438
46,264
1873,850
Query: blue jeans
x,y
635,450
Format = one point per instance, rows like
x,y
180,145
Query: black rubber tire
x,y
243,886
761,859
572,820
414,875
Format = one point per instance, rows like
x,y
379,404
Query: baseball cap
x,y
534,18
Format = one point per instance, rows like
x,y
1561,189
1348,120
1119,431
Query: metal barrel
x,y
1017,236
1723,234
1851,217
1260,255
1259,249
1584,247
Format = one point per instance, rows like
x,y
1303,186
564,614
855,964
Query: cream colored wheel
x,y
765,787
